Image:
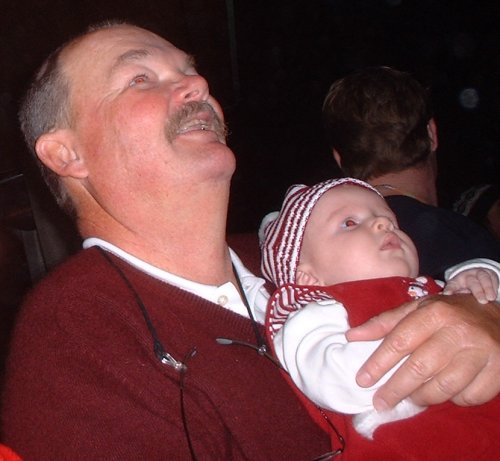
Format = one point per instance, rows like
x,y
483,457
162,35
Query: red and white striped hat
x,y
281,233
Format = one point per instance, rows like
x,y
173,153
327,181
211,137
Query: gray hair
x,y
47,107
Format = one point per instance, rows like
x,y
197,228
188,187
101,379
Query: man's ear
x,y
305,277
57,151
337,158
432,130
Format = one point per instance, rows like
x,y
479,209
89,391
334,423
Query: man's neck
x,y
187,239
418,183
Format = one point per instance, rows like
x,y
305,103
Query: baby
x,y
338,258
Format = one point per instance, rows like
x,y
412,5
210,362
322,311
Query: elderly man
x,y
118,352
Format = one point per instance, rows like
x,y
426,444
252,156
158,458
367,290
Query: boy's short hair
x,y
377,120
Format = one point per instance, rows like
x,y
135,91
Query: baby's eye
x,y
138,79
349,222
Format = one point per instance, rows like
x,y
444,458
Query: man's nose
x,y
192,88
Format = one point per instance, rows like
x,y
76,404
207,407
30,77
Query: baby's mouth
x,y
391,242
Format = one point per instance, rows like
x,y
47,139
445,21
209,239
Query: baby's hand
x,y
481,283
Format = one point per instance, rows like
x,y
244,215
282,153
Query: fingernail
x,y
364,379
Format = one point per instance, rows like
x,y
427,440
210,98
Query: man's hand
x,y
453,343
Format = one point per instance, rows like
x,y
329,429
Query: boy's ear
x,y
432,130
57,150
305,277
337,158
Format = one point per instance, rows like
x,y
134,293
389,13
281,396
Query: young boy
x,y
338,258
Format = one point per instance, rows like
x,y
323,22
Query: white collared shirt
x,y
225,295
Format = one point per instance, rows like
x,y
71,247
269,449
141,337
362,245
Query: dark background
x,y
270,63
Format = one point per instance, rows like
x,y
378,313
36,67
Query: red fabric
x,y
442,432
82,381
6,454
363,299
367,298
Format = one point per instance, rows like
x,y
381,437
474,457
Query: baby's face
x,y
352,234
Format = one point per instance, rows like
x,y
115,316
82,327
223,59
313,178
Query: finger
x,y
406,336
454,379
377,327
476,287
488,281
481,390
452,286
419,368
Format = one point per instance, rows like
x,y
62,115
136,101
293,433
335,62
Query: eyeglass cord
x,y
164,357
158,348
262,349
167,359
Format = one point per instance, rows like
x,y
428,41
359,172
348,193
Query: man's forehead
x,y
136,55
117,45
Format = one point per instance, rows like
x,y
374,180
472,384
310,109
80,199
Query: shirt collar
x,y
225,295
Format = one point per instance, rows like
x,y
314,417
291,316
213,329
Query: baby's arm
x,y
312,347
480,277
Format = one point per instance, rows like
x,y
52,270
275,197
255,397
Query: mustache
x,y
188,111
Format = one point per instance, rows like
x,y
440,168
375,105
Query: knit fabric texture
x,y
83,381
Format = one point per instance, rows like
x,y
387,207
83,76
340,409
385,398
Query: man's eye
x,y
349,222
138,79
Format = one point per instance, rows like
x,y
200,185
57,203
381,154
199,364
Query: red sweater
x,y
83,382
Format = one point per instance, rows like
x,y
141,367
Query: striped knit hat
x,y
281,233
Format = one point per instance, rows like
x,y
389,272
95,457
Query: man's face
x,y
352,234
143,119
